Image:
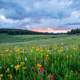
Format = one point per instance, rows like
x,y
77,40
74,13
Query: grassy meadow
x,y
39,57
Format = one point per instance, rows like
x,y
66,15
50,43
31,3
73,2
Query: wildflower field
x,y
40,57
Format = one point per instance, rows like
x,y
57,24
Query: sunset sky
x,y
40,15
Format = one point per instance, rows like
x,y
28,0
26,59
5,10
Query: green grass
x,y
38,57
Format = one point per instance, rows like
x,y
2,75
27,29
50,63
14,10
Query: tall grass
x,y
54,62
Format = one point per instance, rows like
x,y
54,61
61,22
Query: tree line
x,y
74,31
27,32
21,32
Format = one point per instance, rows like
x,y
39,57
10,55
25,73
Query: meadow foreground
x,y
40,57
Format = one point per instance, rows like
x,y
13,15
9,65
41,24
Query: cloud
x,y
30,14
12,10
76,14
11,23
6,20
52,4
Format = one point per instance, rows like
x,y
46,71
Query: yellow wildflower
x,y
37,49
47,55
18,50
39,65
17,67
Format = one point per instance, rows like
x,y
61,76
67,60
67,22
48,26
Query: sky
x,y
40,15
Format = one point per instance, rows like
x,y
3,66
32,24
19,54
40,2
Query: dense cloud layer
x,y
30,14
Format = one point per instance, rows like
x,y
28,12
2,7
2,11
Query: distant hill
x,y
20,32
